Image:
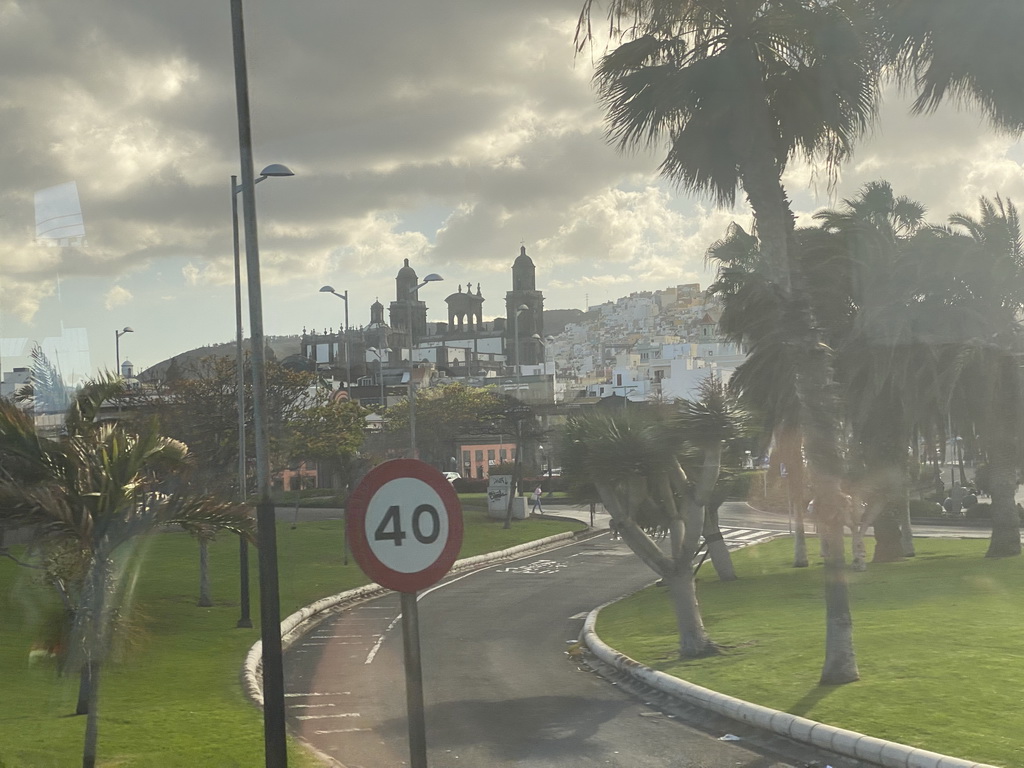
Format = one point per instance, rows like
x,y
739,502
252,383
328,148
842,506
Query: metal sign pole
x,y
414,681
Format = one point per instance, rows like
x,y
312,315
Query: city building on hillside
x,y
465,348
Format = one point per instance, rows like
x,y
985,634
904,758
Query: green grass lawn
x,y
938,641
176,701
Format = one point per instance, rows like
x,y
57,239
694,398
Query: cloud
x,y
117,296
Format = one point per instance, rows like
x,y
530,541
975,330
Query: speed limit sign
x,y
404,525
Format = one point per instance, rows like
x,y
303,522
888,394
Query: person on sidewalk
x,y
537,509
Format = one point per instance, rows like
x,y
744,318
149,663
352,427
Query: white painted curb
x,y
295,625
849,743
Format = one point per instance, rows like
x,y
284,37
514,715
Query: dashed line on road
x,y
340,730
328,717
315,693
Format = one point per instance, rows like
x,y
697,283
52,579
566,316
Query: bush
x,y
920,509
469,485
980,511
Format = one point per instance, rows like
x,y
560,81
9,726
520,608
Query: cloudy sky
x,y
447,132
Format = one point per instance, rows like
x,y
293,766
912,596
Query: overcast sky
x,y
446,132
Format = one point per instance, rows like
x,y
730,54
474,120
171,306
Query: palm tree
x,y
949,49
992,302
738,89
634,459
883,362
758,315
96,489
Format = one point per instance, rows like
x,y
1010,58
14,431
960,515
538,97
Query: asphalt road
x,y
500,689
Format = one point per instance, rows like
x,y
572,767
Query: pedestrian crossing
x,y
735,538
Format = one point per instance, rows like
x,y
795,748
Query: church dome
x,y
522,259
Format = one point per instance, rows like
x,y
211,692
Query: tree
x,y
884,362
447,412
96,491
738,89
993,300
200,408
330,434
635,461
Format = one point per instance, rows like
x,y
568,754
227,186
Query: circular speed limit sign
x,y
404,525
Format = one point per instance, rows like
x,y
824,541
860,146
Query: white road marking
x,y
424,593
328,717
311,706
380,640
350,637
340,730
581,615
314,693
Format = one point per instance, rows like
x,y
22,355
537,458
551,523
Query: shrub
x,y
920,509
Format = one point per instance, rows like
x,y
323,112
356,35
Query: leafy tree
x,y
200,408
446,413
91,495
331,434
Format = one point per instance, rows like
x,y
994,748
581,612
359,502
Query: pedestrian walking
x,y
537,509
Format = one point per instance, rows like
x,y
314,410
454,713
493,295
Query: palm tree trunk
x,y
719,552
84,687
96,634
825,463
92,718
205,598
1005,540
789,443
840,661
693,638
906,527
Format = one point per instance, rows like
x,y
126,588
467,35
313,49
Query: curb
x,y
848,743
297,623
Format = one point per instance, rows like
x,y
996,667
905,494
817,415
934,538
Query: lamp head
x,y
433,277
327,289
276,169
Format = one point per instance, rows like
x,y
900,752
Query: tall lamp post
x,y
348,360
274,733
554,373
433,277
117,345
515,330
272,170
380,370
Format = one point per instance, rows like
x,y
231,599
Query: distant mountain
x,y
282,347
555,321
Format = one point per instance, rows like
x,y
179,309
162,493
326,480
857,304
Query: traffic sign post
x,y
404,527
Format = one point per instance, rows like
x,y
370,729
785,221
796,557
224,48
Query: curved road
x,y
500,689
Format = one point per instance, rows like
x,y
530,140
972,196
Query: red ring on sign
x,y
355,528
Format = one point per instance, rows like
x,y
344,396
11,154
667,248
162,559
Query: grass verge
x,y
937,639
175,698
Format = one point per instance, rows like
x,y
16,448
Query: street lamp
x,y
433,277
117,345
348,361
272,170
274,732
554,372
380,371
515,330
